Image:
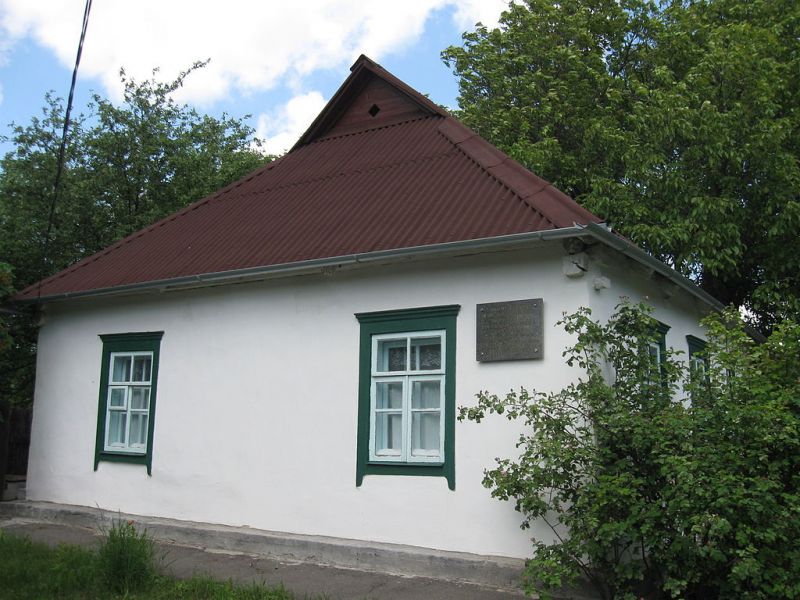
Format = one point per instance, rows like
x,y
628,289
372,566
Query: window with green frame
x,y
127,400
658,349
406,393
698,363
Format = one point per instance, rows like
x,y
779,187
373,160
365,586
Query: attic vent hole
x,y
374,110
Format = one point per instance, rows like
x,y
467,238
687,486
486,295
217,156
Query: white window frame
x,y
407,378
128,386
698,367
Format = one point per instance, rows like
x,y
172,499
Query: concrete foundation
x,y
497,572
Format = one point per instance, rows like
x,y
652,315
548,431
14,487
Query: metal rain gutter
x,y
305,266
597,231
604,235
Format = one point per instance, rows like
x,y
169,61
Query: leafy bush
x,y
661,483
127,558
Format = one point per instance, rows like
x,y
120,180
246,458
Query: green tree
x,y
126,165
651,495
676,121
6,343
151,156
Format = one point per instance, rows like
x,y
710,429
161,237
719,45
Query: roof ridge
x,y
523,183
494,177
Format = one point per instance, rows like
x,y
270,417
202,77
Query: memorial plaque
x,y
509,330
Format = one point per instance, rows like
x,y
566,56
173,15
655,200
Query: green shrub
x,y
127,558
651,495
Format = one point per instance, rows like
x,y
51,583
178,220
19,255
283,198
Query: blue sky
x,y
279,62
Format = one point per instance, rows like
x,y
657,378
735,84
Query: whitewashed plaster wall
x,y
257,399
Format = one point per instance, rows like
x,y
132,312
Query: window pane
x,y
116,428
389,434
426,394
138,430
141,368
426,354
655,353
122,368
391,355
425,433
389,395
698,366
117,397
140,398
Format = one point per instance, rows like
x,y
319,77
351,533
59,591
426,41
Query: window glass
x,y
698,367
426,354
117,397
138,429
128,402
122,369
655,353
406,408
389,395
425,433
116,427
140,397
426,394
141,368
392,355
389,433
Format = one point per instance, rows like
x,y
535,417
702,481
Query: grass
x,y
123,567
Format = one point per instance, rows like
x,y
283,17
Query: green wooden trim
x,y
697,348
149,341
411,314
695,344
660,327
399,321
660,336
121,338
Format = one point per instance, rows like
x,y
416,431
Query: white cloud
x,y
470,12
281,128
254,46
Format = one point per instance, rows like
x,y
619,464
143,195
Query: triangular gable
x,y
370,97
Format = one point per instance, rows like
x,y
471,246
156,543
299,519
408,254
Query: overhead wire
x,y
63,146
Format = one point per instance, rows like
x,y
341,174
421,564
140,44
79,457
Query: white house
x,y
288,353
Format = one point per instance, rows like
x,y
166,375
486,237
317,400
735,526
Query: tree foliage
x,y
676,121
661,482
6,287
127,164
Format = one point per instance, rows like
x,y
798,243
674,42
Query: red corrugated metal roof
x,y
411,175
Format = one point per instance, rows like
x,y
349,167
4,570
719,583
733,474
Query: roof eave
x,y
314,265
595,231
603,234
